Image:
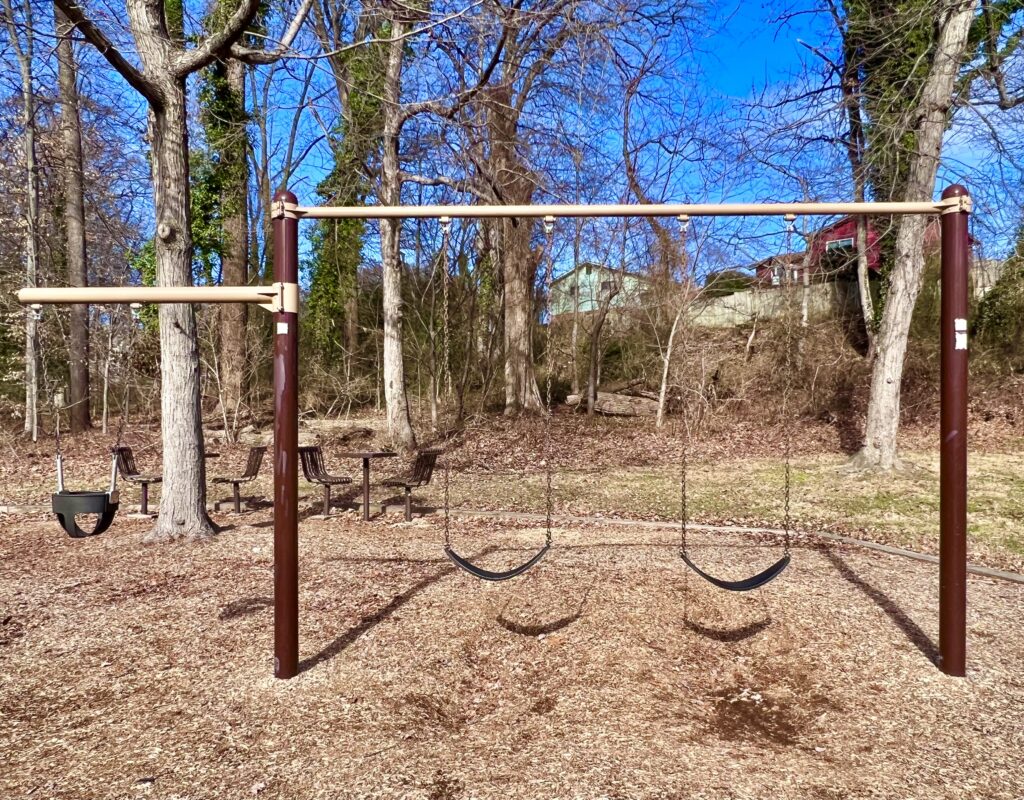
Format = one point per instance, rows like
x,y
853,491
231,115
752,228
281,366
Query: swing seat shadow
x,y
729,635
542,628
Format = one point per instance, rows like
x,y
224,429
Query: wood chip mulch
x,y
609,671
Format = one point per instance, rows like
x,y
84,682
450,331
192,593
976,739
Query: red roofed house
x,y
833,254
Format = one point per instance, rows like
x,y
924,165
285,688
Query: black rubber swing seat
x,y
68,505
488,575
745,585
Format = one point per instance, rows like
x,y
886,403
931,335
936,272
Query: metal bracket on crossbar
x,y
957,205
282,209
284,300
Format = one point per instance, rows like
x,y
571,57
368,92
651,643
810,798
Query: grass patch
x,y
901,508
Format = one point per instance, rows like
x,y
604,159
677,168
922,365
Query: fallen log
x,y
617,405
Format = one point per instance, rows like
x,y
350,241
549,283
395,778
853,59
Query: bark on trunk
x,y
183,499
521,390
855,144
25,55
867,307
880,446
514,183
74,222
594,371
234,317
395,396
665,368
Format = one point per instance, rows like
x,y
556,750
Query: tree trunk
x,y
515,183
395,397
183,499
867,308
352,322
521,390
882,426
234,317
594,371
74,222
665,367
855,145
25,55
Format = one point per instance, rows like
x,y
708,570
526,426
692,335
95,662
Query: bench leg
x,y
408,504
144,508
238,499
327,500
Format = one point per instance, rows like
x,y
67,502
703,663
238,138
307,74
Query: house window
x,y
572,291
607,286
839,244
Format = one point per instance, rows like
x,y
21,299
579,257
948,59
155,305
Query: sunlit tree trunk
x,y
23,44
880,450
183,501
395,397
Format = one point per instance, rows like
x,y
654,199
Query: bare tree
x,y
165,63
954,21
23,44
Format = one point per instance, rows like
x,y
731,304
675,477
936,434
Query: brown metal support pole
x,y
953,452
286,452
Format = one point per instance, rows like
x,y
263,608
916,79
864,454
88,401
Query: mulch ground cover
x,y
609,671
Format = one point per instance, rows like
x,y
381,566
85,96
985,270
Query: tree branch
x,y
410,110
213,45
251,55
135,78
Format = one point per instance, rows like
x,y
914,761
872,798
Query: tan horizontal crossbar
x,y
282,209
276,297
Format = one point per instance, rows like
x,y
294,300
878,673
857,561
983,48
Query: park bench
x,y
128,470
312,460
252,469
419,475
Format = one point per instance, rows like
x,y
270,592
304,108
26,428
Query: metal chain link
x,y
37,312
133,320
684,227
787,424
446,226
549,363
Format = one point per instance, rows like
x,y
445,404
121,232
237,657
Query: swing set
x,y
282,299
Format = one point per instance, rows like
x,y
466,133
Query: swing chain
x,y
549,233
133,321
684,228
51,396
788,438
446,226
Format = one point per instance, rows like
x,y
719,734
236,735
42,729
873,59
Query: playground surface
x,y
608,671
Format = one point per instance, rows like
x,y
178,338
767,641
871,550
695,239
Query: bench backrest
x,y
312,460
252,467
125,462
423,469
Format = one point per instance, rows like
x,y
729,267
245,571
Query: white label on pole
x,y
960,333
282,327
